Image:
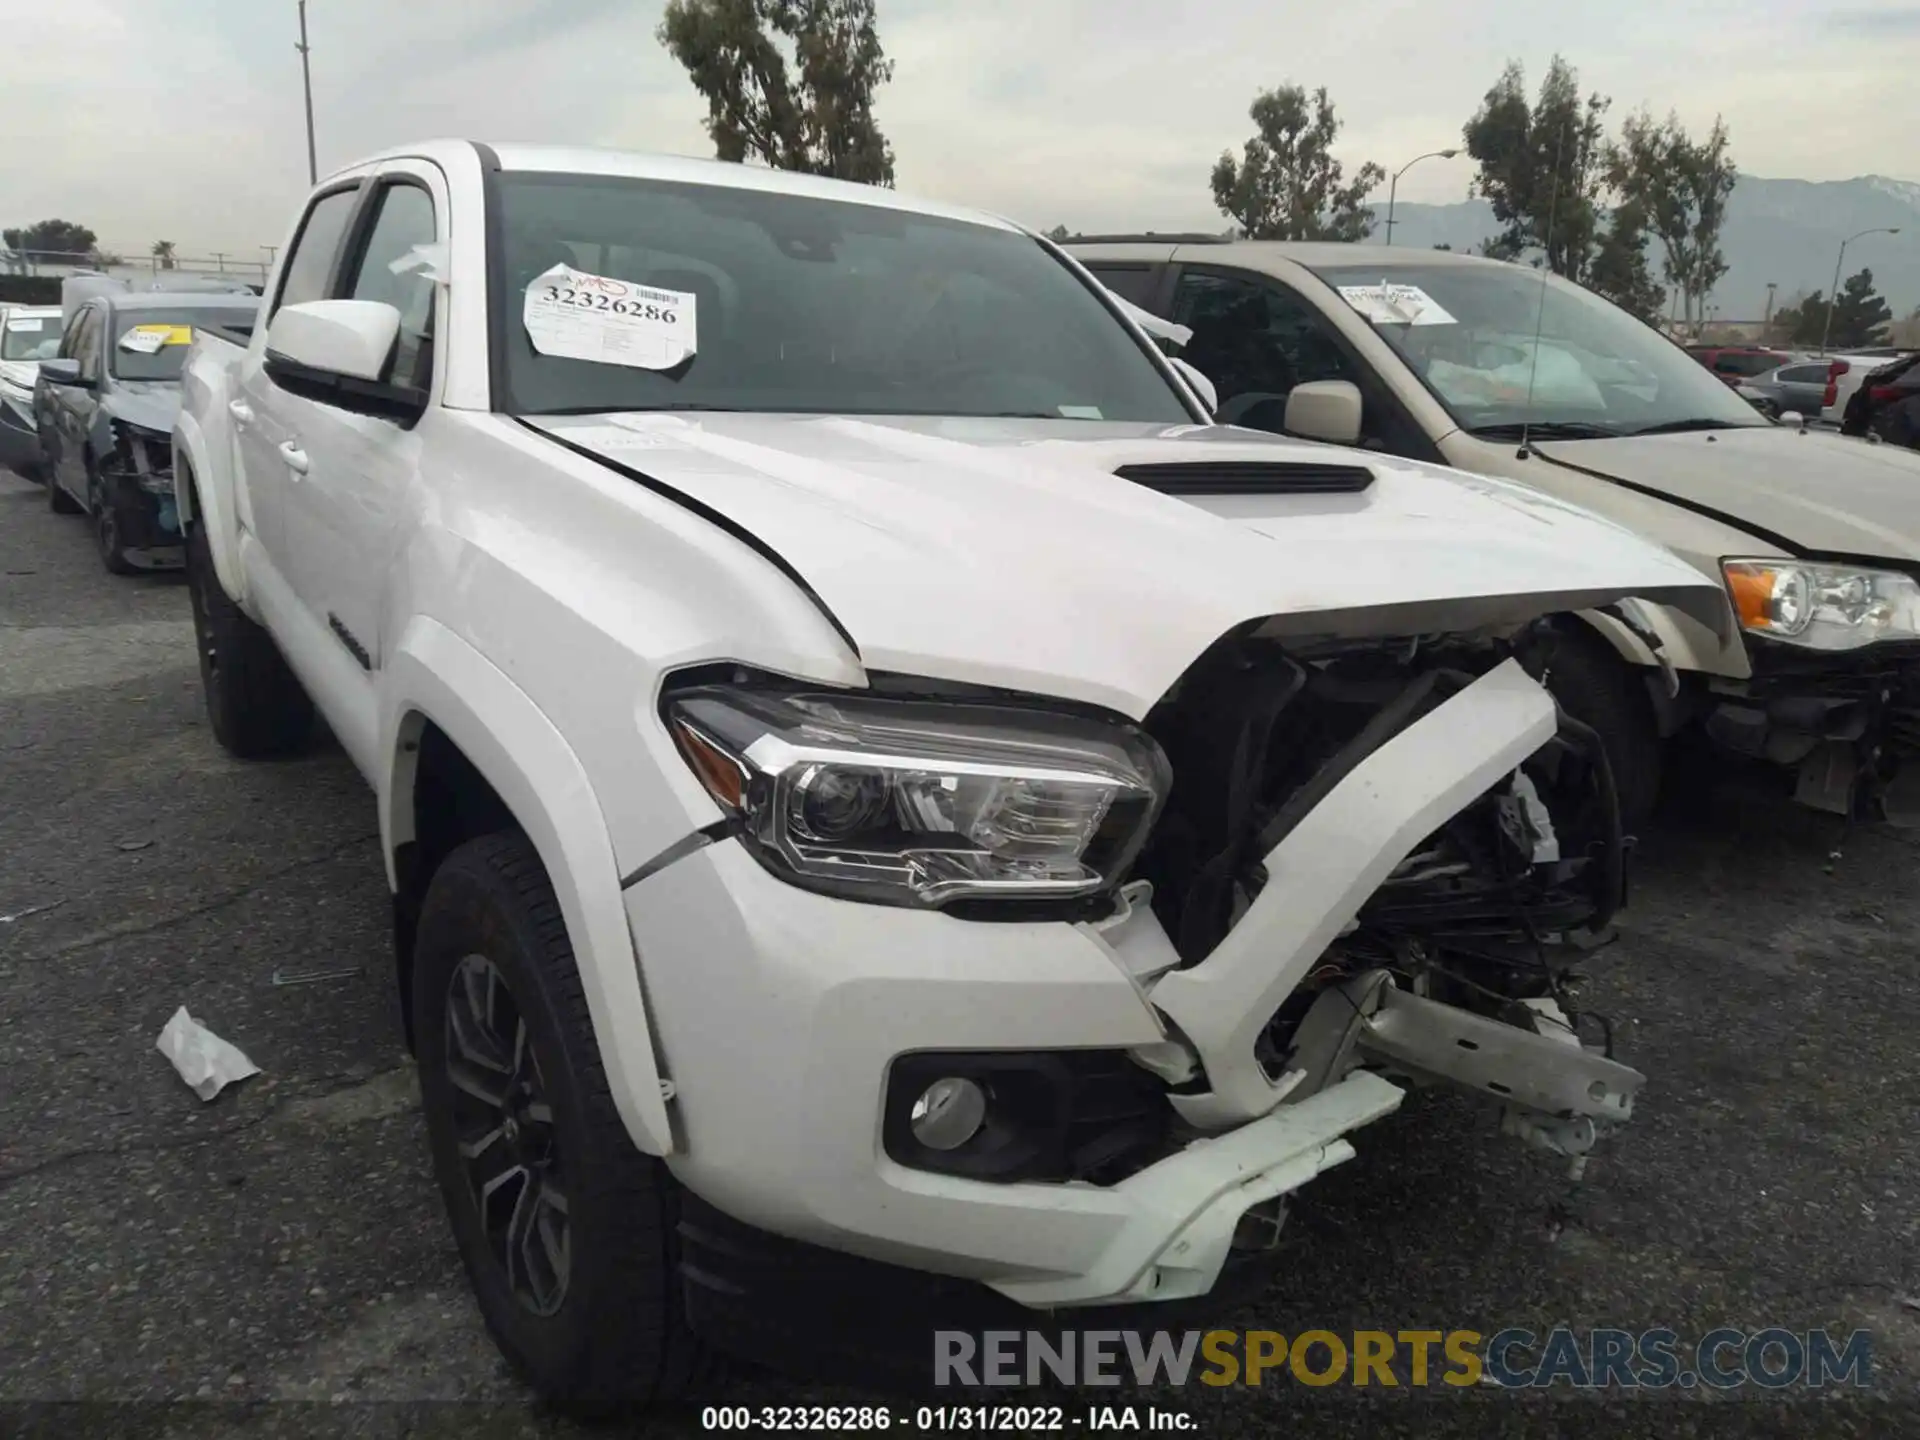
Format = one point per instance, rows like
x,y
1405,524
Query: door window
x,y
310,264
1134,283
1803,375
403,220
86,343
1256,340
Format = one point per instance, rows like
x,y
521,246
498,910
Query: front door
x,y
267,421
359,469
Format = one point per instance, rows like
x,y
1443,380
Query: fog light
x,y
948,1113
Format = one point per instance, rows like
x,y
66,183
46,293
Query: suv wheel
x,y
107,530
567,1231
254,702
1596,687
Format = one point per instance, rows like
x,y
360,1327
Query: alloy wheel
x,y
503,1125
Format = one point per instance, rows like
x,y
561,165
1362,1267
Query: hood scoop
x,y
1249,477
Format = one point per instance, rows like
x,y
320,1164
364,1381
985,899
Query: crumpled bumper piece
x,y
1321,874
1214,1182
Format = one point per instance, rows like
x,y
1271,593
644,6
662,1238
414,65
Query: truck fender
x,y
434,675
203,494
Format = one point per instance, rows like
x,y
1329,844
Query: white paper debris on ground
x,y
578,316
1386,304
206,1062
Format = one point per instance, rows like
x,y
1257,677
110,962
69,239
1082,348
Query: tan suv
x,y
1505,371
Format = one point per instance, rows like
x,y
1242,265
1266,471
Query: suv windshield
x,y
797,305
151,344
29,337
1468,332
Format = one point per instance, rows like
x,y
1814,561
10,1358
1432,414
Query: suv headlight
x,y
922,802
1823,607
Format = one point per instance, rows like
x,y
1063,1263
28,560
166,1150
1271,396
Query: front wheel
x,y
567,1231
254,701
1599,689
108,533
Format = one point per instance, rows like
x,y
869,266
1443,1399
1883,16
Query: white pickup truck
x,y
875,785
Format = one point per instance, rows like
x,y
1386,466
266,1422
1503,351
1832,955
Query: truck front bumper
x,y
787,1021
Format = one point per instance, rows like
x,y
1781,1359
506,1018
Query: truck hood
x,y
1822,494
1009,553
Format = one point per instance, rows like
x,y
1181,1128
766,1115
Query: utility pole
x,y
306,81
220,261
1766,325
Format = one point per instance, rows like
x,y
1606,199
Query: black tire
x,y
255,704
58,501
616,1338
1595,686
107,526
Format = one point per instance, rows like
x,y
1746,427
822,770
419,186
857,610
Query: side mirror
x,y
1792,417
1326,410
61,372
1204,387
340,352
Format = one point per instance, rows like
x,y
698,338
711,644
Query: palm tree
x,y
163,252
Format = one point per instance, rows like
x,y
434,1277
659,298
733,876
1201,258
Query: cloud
x,y
184,118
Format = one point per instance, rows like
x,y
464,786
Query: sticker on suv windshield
x,y
151,339
1386,304
578,316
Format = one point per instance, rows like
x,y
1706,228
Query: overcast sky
x,y
182,118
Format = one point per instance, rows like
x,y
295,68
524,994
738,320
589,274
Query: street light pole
x,y
306,81
1826,330
1393,186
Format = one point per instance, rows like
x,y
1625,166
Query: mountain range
x,y
1784,232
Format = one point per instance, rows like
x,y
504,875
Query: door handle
x,y
295,457
241,411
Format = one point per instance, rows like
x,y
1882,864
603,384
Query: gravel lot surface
x,y
276,1262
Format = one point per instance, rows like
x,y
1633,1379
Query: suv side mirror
x,y
340,352
62,372
1328,410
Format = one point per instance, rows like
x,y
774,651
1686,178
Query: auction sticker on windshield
x,y
1386,304
151,339
577,316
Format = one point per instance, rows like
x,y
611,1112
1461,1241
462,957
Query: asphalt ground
x,y
276,1263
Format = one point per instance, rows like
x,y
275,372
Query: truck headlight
x,y
923,802
1823,607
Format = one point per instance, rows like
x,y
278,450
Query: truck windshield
x,y
794,304
1468,332
152,344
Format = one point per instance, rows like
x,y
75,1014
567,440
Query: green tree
x,y
1543,166
163,252
1287,185
788,82
1619,269
1860,317
51,240
1684,186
